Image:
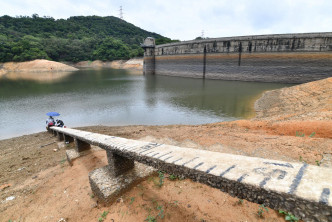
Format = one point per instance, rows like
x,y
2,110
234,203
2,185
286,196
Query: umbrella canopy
x,y
53,114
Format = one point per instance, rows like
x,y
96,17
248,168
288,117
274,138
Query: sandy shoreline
x,y
46,66
35,66
292,124
131,64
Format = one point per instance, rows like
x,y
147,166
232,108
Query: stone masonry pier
x,y
299,188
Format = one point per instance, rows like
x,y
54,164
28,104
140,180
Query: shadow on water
x,y
115,97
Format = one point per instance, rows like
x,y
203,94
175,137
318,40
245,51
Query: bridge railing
x,y
299,188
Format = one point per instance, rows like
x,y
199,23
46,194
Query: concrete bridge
x,y
286,58
304,190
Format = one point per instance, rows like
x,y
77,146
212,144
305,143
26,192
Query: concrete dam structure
x,y
284,58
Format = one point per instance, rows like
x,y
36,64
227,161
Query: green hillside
x,y
74,39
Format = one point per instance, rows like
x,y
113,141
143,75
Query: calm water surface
x,y
116,97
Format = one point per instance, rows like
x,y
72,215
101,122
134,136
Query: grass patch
x,y
159,183
150,219
289,216
174,203
132,199
261,210
103,216
63,161
161,176
312,134
302,160
172,177
161,212
299,134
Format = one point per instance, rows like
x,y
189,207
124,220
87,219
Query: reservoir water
x,y
118,97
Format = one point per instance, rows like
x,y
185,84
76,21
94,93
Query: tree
x,y
74,39
111,49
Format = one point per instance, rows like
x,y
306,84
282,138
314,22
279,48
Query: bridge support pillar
x,y
60,136
109,182
118,165
81,145
68,139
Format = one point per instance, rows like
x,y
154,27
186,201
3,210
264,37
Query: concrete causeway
x,y
299,188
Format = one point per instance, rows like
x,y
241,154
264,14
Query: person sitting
x,y
59,123
49,122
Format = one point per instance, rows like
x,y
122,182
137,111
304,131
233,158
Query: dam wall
x,y
285,58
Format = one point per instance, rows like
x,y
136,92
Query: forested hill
x,y
74,39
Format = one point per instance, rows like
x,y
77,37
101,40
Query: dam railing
x,y
296,187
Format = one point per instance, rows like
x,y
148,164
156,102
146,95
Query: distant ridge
x,y
74,39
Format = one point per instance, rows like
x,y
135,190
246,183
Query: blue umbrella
x,y
53,114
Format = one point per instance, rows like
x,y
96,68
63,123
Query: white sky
x,y
185,19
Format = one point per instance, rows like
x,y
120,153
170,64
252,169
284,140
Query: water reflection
x,y
222,98
115,97
45,77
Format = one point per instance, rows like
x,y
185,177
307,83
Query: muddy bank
x,y
50,77
309,101
301,110
31,70
132,64
36,66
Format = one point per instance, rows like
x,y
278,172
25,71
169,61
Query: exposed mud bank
x,y
132,64
36,66
305,102
54,70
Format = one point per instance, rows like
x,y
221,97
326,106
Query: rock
x,y
62,220
2,187
61,145
71,155
326,161
10,198
94,205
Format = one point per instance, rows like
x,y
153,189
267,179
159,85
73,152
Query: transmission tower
x,y
202,35
121,13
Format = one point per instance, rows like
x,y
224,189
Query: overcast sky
x,y
185,19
